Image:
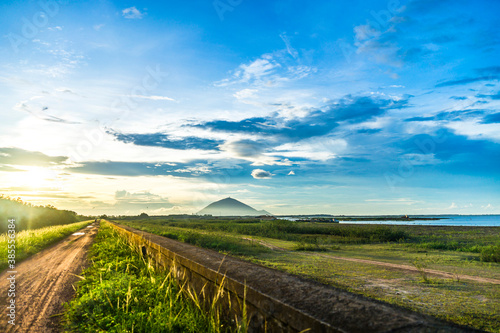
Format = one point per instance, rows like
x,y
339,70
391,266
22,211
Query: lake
x,y
458,220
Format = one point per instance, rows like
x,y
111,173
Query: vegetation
x,y
313,236
491,253
29,242
121,292
314,251
29,216
282,229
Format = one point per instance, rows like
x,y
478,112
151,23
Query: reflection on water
x,y
457,220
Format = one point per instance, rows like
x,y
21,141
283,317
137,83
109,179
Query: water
x,y
456,220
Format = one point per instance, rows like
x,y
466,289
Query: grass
x,y
309,251
121,292
29,242
287,230
491,253
225,243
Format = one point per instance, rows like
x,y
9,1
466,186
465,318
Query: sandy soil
x,y
44,282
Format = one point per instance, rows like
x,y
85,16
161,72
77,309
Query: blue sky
x,y
365,107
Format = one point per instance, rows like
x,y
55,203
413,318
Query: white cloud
x,y
261,174
132,13
253,151
475,130
154,98
291,173
269,70
289,47
453,206
258,69
245,93
98,27
403,201
319,149
300,72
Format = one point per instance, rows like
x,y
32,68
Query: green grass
x,y
286,230
225,243
29,242
491,253
121,292
309,250
463,302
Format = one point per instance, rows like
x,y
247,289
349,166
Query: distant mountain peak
x,y
230,207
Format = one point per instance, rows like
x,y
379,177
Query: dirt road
x,y
44,282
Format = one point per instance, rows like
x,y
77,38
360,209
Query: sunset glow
x,y
366,107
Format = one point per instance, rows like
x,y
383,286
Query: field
x,y
121,292
29,242
448,272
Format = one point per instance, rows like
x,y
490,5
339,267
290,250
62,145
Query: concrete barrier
x,y
276,301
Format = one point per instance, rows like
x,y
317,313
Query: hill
x,y
230,207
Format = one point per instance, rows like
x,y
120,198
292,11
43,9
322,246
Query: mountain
x,y
230,207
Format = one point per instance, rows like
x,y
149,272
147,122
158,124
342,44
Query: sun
x,y
36,178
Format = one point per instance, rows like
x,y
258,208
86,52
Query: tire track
x,y
389,265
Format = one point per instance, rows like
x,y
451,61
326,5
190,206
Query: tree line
x,y
28,216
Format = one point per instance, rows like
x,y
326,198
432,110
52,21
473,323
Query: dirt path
x,y
44,282
390,265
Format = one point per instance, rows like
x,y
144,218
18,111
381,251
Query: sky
x,y
295,107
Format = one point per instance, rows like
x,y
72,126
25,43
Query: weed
x,y
491,253
421,265
124,292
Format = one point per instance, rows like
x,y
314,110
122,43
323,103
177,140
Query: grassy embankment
x,y
29,242
121,292
310,249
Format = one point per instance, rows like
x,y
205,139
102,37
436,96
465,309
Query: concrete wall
x,y
276,301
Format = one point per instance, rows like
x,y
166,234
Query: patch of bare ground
x,y
44,283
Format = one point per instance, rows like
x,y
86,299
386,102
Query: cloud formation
x,y
261,174
140,200
316,122
166,141
154,98
18,156
493,118
132,13
491,73
269,69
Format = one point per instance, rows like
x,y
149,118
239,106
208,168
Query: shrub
x,y
491,253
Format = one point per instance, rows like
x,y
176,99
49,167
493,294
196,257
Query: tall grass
x,y
491,253
122,292
219,242
285,230
29,242
483,240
